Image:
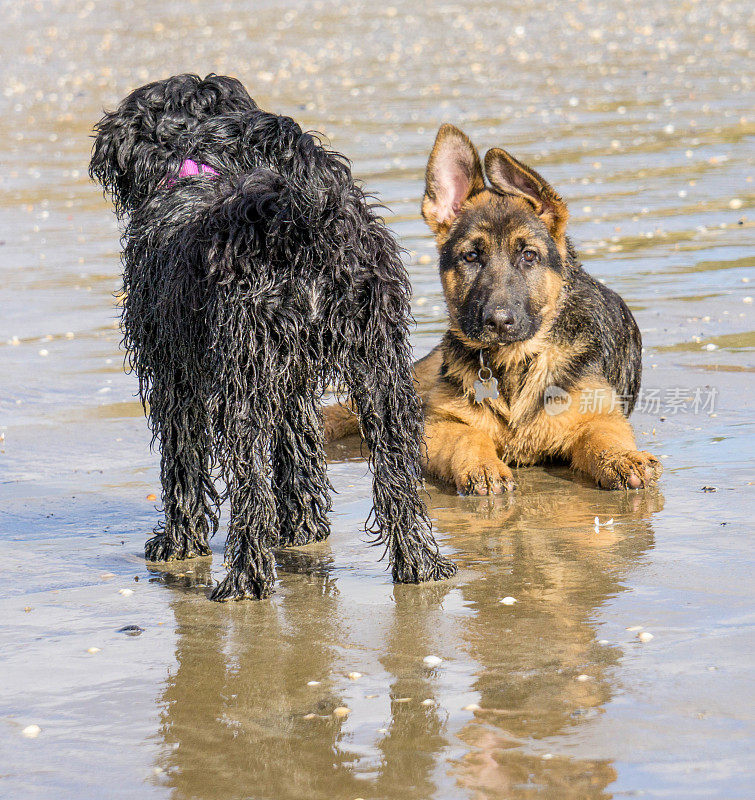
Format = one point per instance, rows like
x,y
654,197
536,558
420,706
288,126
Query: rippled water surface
x,y
641,114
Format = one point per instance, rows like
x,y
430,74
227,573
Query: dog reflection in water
x,y
238,717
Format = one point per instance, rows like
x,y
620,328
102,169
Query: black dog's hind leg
x,y
189,497
251,530
300,482
390,419
376,366
371,314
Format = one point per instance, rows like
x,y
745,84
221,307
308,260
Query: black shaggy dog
x,y
255,274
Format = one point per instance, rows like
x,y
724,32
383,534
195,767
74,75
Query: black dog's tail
x,y
150,133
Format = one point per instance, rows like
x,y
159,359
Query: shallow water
x,y
641,114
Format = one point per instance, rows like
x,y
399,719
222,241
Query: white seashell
x,y
432,661
31,731
645,636
354,676
508,601
126,592
583,678
93,650
472,707
313,683
428,702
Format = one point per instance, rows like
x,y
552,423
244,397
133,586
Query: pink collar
x,y
189,168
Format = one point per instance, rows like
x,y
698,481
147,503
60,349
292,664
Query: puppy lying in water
x,y
540,361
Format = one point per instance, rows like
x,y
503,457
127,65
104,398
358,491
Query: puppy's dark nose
x,y
500,319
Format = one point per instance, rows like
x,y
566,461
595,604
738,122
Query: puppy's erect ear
x,y
509,176
454,173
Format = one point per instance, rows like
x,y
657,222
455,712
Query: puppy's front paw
x,y
634,469
486,476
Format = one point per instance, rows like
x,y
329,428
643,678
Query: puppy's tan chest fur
x,y
516,420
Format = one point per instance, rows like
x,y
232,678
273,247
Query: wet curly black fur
x,y
245,295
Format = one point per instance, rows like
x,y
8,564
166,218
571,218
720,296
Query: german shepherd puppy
x,y
540,361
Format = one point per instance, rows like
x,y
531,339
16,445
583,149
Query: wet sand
x,y
641,115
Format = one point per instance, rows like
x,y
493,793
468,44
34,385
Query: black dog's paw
x,y
433,567
311,529
162,548
242,586
439,570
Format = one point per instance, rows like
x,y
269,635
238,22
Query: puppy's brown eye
x,y
529,255
471,256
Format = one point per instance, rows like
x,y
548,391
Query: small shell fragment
x,y
151,497
472,707
634,628
508,601
126,592
93,650
313,683
341,712
428,702
310,716
583,678
402,700
31,731
645,636
354,676
432,661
